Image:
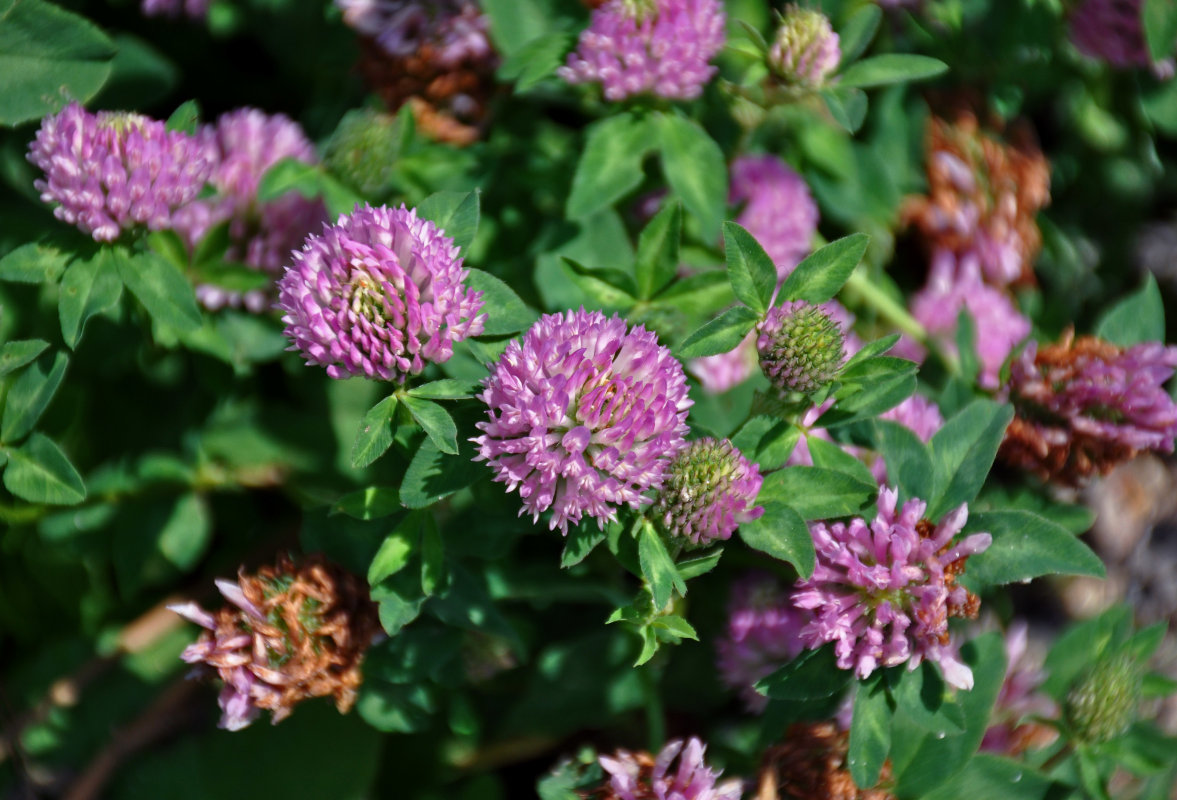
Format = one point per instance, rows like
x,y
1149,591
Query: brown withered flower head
x,y
1084,405
983,195
435,56
811,763
289,632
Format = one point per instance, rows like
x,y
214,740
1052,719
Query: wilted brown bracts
x,y
983,195
288,633
1084,405
811,763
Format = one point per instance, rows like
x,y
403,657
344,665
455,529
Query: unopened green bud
x,y
362,151
805,50
1102,703
800,347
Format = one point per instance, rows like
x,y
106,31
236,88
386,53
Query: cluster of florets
x,y
883,591
812,762
983,198
193,9
1084,405
678,772
805,50
435,56
379,294
584,416
708,491
289,632
659,47
243,145
1019,720
112,172
763,634
1113,31
801,347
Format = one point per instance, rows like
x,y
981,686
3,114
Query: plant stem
x,y
655,716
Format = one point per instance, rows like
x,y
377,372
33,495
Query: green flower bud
x,y
800,347
1102,703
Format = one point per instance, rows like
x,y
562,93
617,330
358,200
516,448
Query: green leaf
x,y
821,275
33,263
698,565
923,697
581,540
695,169
29,397
870,732
817,493
89,287
988,775
433,574
767,440
657,256
231,276
1160,27
909,462
186,534
505,312
436,422
719,335
395,608
445,389
1139,317
1027,546
161,288
810,676
846,105
890,68
963,452
830,455
395,551
611,164
40,473
1081,645
456,213
433,475
290,175
374,435
535,60
700,293
14,355
48,57
781,533
186,117
751,272
374,502
858,31
610,289
658,567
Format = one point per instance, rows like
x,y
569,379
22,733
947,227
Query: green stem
x,y
655,715
893,312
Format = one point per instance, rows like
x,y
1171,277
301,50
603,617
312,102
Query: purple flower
x,y
1113,31
584,416
661,47
778,209
638,776
1084,405
379,293
724,371
954,285
113,171
1009,732
193,9
763,633
805,50
453,31
883,591
244,144
708,491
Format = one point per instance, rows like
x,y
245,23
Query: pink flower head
x,y
763,634
452,30
805,50
953,286
193,9
1113,31
778,209
661,47
637,776
708,491
584,416
379,293
113,171
1020,697
883,591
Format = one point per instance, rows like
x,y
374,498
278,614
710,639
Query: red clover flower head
x,y
708,491
114,171
763,633
779,210
640,776
379,293
1012,729
883,591
584,416
805,51
1113,31
661,47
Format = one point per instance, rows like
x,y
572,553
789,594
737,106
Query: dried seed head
x,y
811,763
